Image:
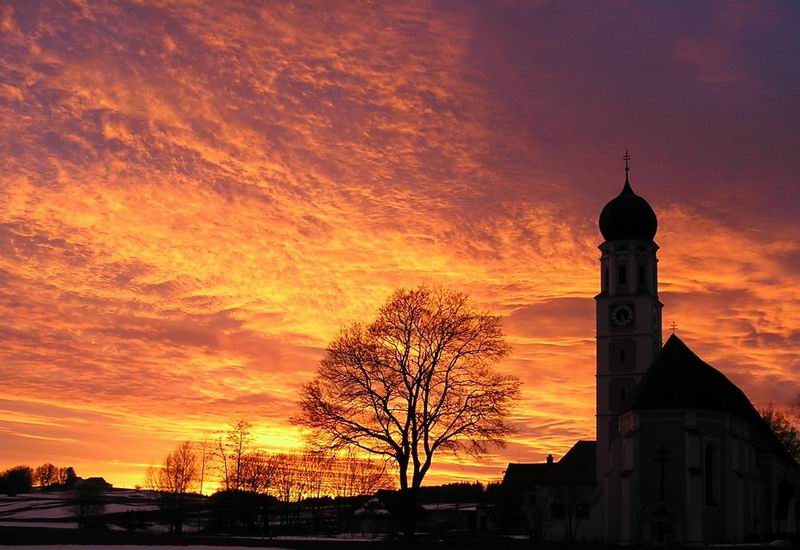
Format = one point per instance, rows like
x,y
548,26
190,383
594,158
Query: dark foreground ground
x,y
467,541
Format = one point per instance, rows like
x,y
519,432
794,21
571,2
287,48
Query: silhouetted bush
x,y
16,480
68,477
240,510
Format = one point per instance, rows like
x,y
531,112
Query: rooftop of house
x,y
578,466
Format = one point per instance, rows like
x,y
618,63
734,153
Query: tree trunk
x,y
409,508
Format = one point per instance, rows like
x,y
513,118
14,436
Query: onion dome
x,y
628,216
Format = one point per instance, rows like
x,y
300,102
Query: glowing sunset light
x,y
195,198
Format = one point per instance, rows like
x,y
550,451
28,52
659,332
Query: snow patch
x,y
39,525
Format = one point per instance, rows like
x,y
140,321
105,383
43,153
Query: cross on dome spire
x,y
626,158
628,216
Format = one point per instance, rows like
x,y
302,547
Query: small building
x,y
372,517
92,484
553,500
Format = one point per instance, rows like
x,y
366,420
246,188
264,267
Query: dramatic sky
x,y
194,199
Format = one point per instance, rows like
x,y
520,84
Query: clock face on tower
x,y
621,315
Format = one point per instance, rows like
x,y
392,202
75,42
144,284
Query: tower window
x,y
622,355
622,276
711,474
622,394
642,276
605,278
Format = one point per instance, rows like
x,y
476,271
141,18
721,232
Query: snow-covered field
x,y
58,509
40,524
42,512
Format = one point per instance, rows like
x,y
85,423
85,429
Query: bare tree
x,y
783,427
232,447
314,471
179,471
239,440
45,475
67,476
206,456
287,485
417,380
174,478
258,472
221,450
151,477
794,411
354,475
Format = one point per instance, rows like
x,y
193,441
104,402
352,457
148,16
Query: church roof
x,y
578,466
679,379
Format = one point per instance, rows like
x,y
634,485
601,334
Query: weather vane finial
x,y
673,327
626,158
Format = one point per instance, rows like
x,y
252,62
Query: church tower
x,y
628,310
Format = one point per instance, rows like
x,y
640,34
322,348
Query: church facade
x,y
681,454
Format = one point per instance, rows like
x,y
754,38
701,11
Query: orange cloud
x,y
195,200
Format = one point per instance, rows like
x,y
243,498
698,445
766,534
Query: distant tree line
x,y
253,484
21,479
460,492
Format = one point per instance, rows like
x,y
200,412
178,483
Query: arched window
x,y
622,274
642,282
711,474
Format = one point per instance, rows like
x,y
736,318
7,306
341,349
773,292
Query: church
x,y
681,455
